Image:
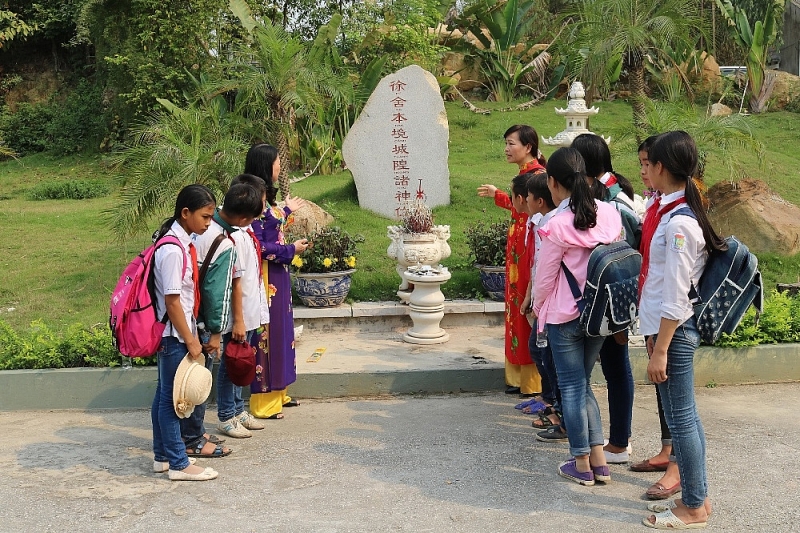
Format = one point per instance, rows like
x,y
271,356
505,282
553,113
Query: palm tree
x,y
175,148
277,80
613,34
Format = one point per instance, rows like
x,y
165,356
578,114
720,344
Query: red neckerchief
x,y
257,244
652,219
612,180
195,280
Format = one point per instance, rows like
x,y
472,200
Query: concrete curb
x,y
115,388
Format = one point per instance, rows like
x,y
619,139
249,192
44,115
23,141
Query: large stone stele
x,y
760,218
398,147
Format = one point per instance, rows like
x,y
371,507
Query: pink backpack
x,y
135,328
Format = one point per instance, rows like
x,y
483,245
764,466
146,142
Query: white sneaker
x,y
249,421
233,428
159,467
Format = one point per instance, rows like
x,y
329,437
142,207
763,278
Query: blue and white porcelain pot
x,y
323,290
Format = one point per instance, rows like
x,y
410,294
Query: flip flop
x,y
291,403
668,520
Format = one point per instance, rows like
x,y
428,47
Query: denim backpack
x,y
729,285
610,299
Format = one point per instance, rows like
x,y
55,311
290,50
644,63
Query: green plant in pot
x,y
487,244
322,273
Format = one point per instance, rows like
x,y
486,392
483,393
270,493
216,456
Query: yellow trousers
x,y
526,377
267,404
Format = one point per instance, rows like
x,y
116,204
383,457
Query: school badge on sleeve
x,y
678,242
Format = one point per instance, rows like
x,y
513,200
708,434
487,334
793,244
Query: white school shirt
x,y
677,259
254,299
537,243
169,261
203,243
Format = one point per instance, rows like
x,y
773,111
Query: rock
x,y
397,149
720,110
308,219
710,76
786,89
760,218
469,75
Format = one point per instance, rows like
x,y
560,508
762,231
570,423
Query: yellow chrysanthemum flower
x,y
297,261
327,262
351,261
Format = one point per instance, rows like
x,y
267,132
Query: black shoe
x,y
528,395
554,434
512,390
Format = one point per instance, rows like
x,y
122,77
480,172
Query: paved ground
x,y
461,463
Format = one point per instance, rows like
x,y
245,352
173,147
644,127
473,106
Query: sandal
x,y
291,403
213,439
276,416
544,421
197,450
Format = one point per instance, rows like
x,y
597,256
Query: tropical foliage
x,y
615,35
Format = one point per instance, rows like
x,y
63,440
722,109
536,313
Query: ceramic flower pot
x,y
328,289
494,281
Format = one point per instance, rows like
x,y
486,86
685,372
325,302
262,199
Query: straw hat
x,y
191,387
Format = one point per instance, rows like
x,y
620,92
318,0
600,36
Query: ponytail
x,y
566,166
677,152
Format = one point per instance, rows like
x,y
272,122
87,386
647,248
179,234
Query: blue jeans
x,y
680,410
229,396
543,359
193,428
575,355
617,371
167,443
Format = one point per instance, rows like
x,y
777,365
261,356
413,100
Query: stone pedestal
x,y
426,305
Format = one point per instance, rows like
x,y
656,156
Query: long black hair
x,y
259,161
191,197
597,157
527,136
566,166
677,152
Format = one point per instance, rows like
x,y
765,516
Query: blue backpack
x,y
610,299
729,285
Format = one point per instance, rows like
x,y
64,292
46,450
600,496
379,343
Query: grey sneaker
x,y
249,421
234,429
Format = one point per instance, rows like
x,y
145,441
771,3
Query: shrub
x,y
68,190
487,242
780,322
25,131
78,346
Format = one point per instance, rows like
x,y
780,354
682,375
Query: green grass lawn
x,y
58,262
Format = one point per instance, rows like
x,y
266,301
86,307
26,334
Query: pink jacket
x,y
553,301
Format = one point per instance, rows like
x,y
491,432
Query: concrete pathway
x,y
460,463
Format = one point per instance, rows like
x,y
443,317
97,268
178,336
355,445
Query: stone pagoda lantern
x,y
577,117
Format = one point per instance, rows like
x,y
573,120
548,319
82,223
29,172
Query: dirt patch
x,y
757,215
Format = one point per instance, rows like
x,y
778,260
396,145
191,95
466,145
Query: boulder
x,y
786,89
720,110
710,77
760,218
308,219
468,74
